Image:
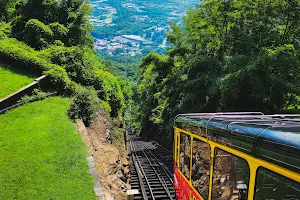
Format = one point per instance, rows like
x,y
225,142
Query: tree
x,y
67,18
60,32
240,55
6,9
46,11
37,34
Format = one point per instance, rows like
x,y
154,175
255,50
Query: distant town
x,y
133,27
124,44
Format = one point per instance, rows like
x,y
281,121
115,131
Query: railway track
x,y
151,171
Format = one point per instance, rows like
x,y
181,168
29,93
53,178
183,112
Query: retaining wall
x,y
12,99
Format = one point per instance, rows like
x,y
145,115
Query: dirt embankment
x,y
111,161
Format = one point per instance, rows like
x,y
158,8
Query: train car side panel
x,y
184,190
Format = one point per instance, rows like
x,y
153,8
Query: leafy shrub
x,y
84,68
2,35
59,31
105,105
49,26
37,95
37,34
17,26
109,89
84,105
58,77
58,43
78,69
21,55
5,30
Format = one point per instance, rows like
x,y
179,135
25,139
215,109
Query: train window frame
x,y
182,135
213,167
272,172
178,151
209,170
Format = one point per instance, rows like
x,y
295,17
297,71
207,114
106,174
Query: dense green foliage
x,y
37,34
6,9
39,23
239,55
52,37
42,157
12,80
83,67
36,95
123,66
84,105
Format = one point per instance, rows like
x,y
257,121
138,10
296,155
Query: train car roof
x,y
253,133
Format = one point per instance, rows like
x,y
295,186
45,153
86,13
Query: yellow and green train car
x,y
237,156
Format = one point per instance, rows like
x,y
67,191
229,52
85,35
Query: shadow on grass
x,y
10,67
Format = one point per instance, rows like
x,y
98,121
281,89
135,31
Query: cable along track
x,y
148,173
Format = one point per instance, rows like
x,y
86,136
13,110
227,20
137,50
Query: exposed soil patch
x,y
110,161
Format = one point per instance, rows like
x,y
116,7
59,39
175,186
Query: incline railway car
x,y
231,156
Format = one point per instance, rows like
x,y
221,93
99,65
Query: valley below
x,y
133,27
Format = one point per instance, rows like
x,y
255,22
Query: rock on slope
x,y
111,163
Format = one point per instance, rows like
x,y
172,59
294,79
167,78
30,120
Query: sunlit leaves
x,y
239,55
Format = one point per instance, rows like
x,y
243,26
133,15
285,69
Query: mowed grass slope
x,y
41,156
11,80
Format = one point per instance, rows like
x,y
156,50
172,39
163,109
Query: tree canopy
x,y
239,55
53,38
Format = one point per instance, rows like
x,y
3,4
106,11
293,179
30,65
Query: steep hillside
x,y
12,80
53,38
40,154
42,157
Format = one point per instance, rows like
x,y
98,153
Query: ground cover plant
x,y
41,155
11,80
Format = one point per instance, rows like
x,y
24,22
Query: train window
x,y
230,176
185,152
200,167
270,185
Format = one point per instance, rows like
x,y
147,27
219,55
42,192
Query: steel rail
x,y
169,154
151,164
162,181
163,148
144,174
154,177
161,164
139,173
165,170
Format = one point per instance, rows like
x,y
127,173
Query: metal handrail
x,y
245,118
219,113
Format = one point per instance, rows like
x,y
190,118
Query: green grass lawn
x,y
41,155
11,80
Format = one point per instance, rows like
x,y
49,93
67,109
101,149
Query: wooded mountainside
x,y
239,55
53,38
